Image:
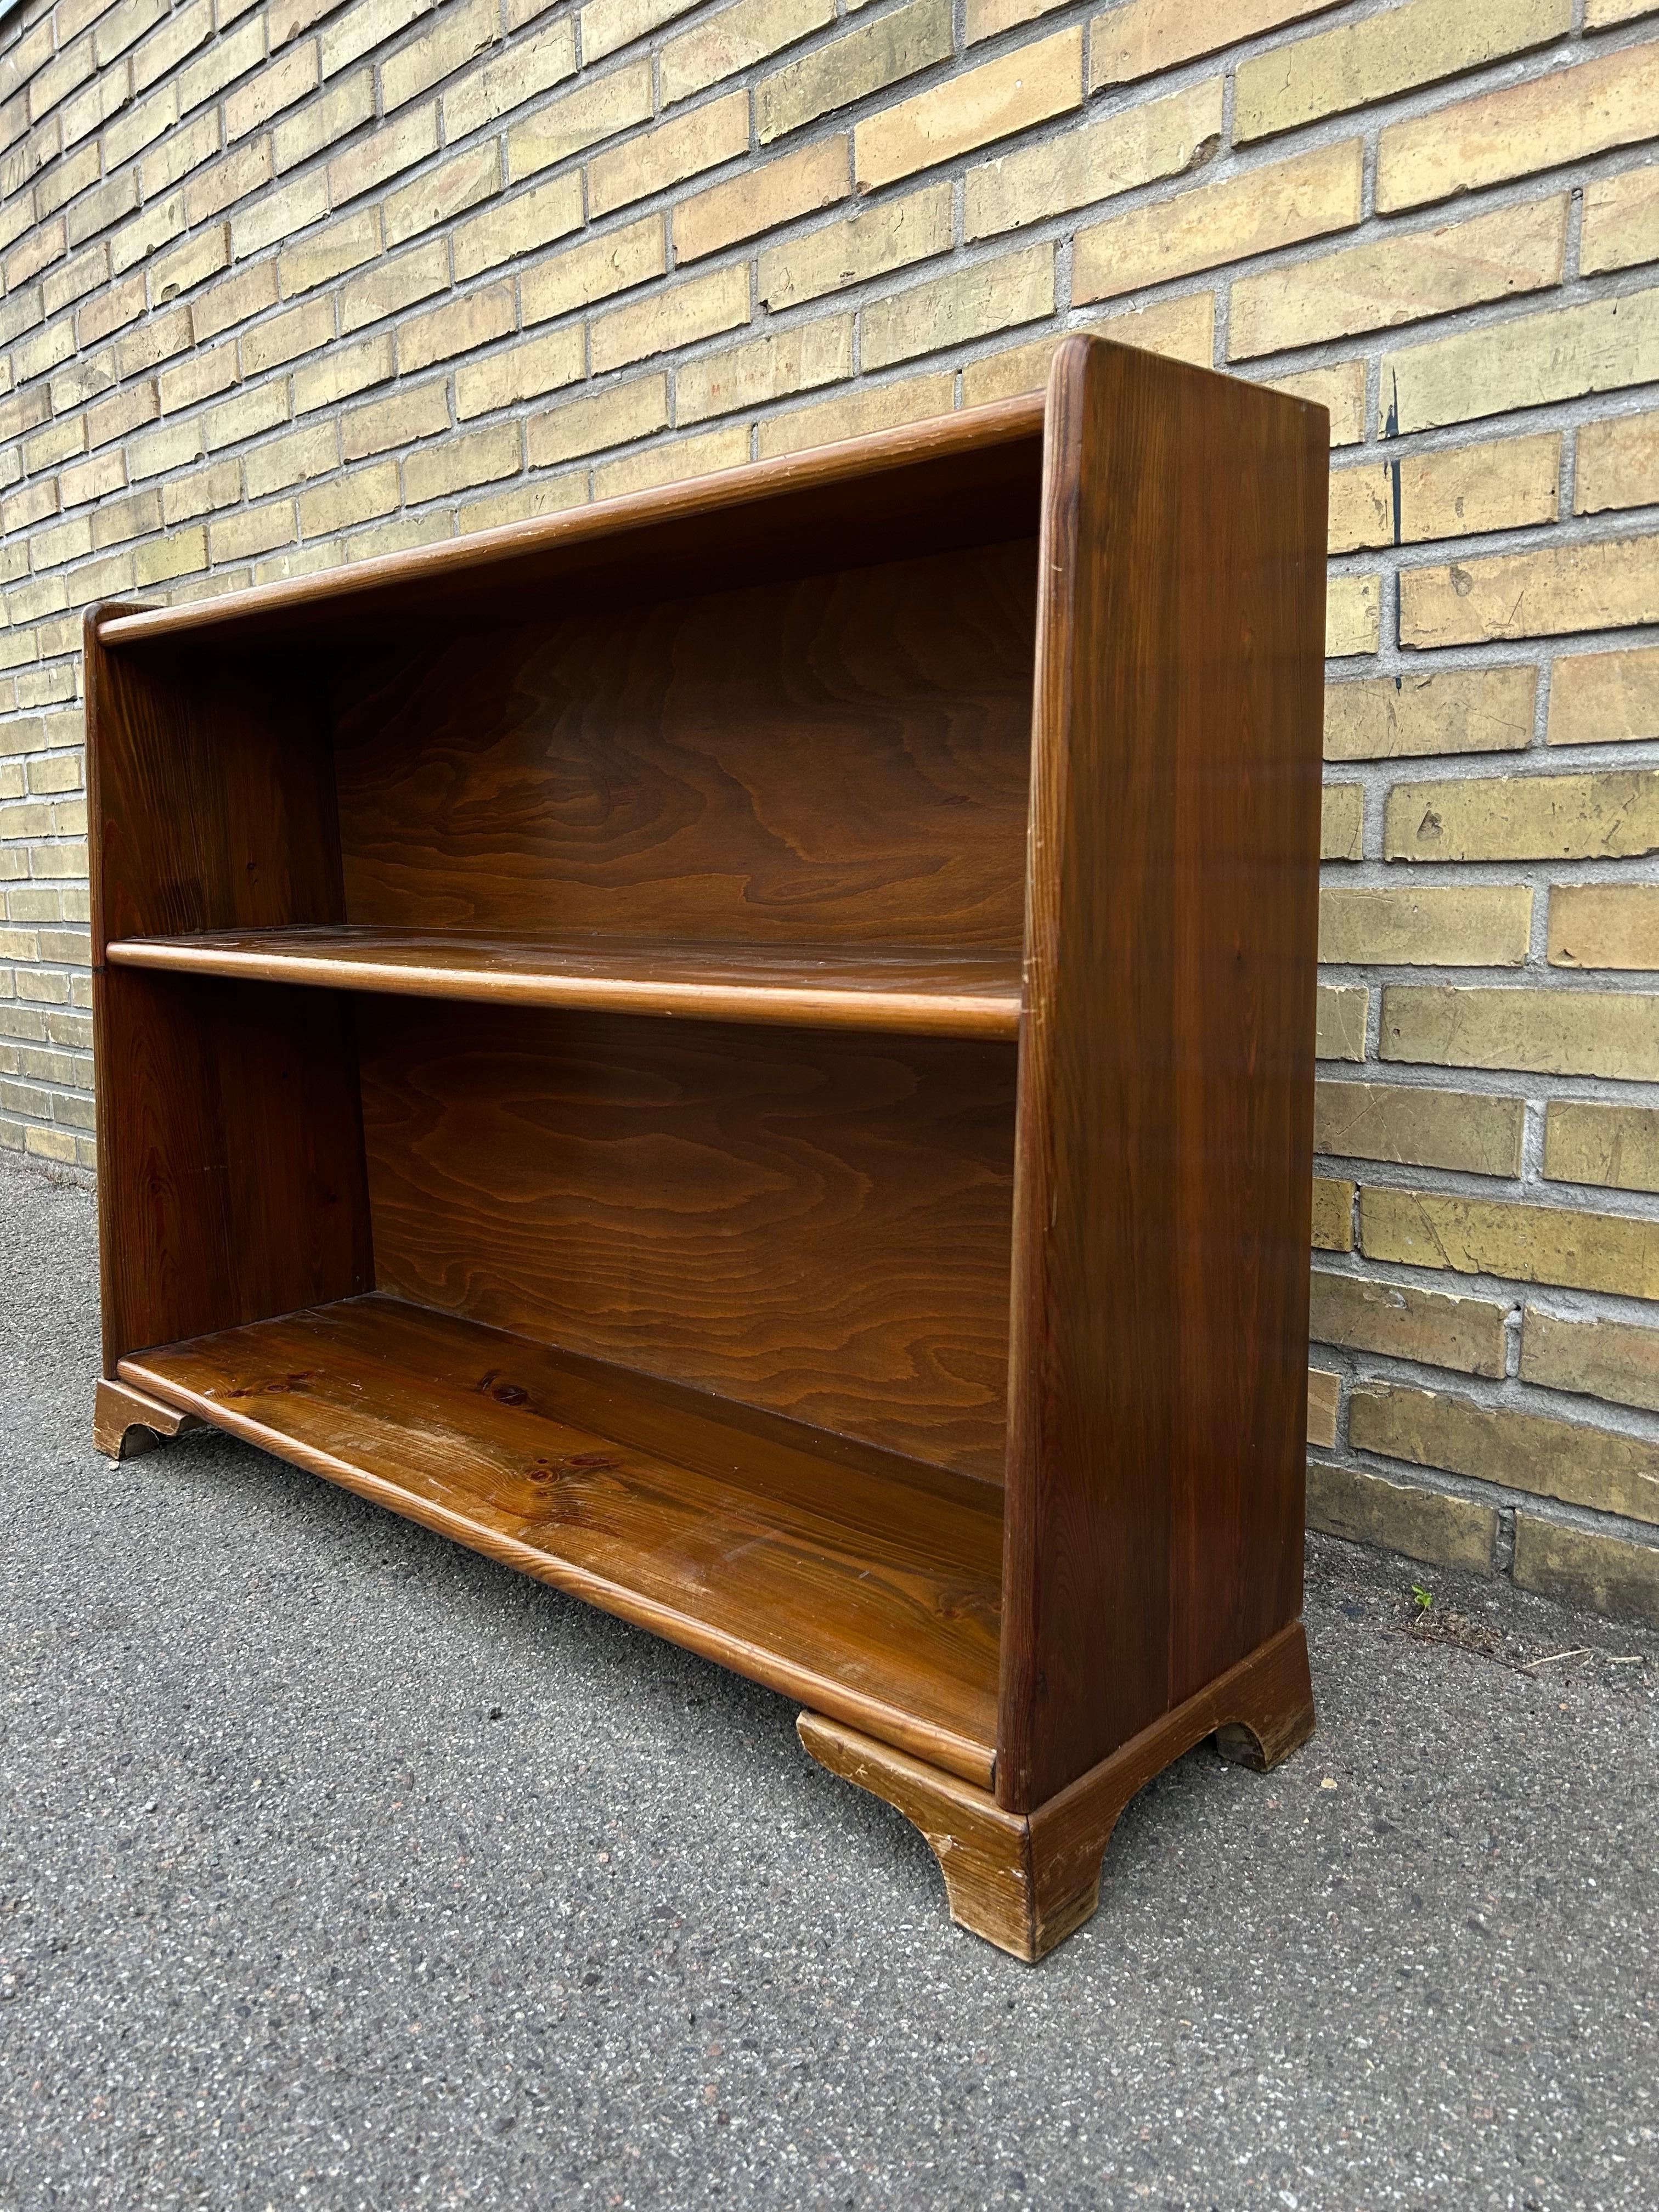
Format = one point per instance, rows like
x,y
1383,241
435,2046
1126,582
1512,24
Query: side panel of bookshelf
x,y
1157,1371
230,1148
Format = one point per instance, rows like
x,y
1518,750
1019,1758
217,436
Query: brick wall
x,y
287,284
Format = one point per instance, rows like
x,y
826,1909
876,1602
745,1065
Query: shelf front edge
x,y
955,1754
913,1013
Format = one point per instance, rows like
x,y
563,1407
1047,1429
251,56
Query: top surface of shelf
x,y
941,992
865,1584
969,477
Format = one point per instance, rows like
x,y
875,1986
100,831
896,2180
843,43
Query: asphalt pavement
x,y
340,1869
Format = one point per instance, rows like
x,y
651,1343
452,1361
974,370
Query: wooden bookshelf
x,y
747,1052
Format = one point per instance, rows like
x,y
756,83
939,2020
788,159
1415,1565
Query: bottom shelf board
x,y
865,1584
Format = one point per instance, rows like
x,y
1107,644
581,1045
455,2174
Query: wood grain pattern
x,y
874,987
1026,1881
811,1222
966,479
842,759
1157,1360
842,1575
229,1147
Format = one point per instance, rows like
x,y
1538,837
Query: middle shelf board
x,y
865,1585
938,991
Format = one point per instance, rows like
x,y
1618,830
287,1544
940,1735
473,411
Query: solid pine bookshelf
x,y
747,1051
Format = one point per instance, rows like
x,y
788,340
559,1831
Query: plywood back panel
x,y
838,757
813,1222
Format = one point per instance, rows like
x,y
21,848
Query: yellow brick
x,y
383,153
511,81
986,18
235,300
459,326
1582,1567
1604,925
1140,38
1341,822
1605,698
1340,390
313,452
1414,1127
421,412
1610,815
568,126
1400,1516
850,67
1556,1244
1567,116
1385,53
1461,710
442,194
991,101
1599,347
189,265
663,320
1621,221
1454,926
390,287
1399,278
1614,1033
761,197
1448,494
1402,1323
261,407
1612,585
183,553
764,369
400,537
197,377
477,457
1614,1148
1612,1359
462,28
1333,1214
186,497
249,170
733,38
1160,138
882,239
1566,1460
278,85
255,529
344,371
506,232
608,25
876,407
672,464
319,260
700,140
525,502
1353,619
343,109
524,371
1277,206
615,417
1602,14
1617,464
611,263
276,216
970,303
1180,330
1324,1395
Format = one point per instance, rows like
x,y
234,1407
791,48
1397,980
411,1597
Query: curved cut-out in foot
x,y
126,1421
1026,1880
